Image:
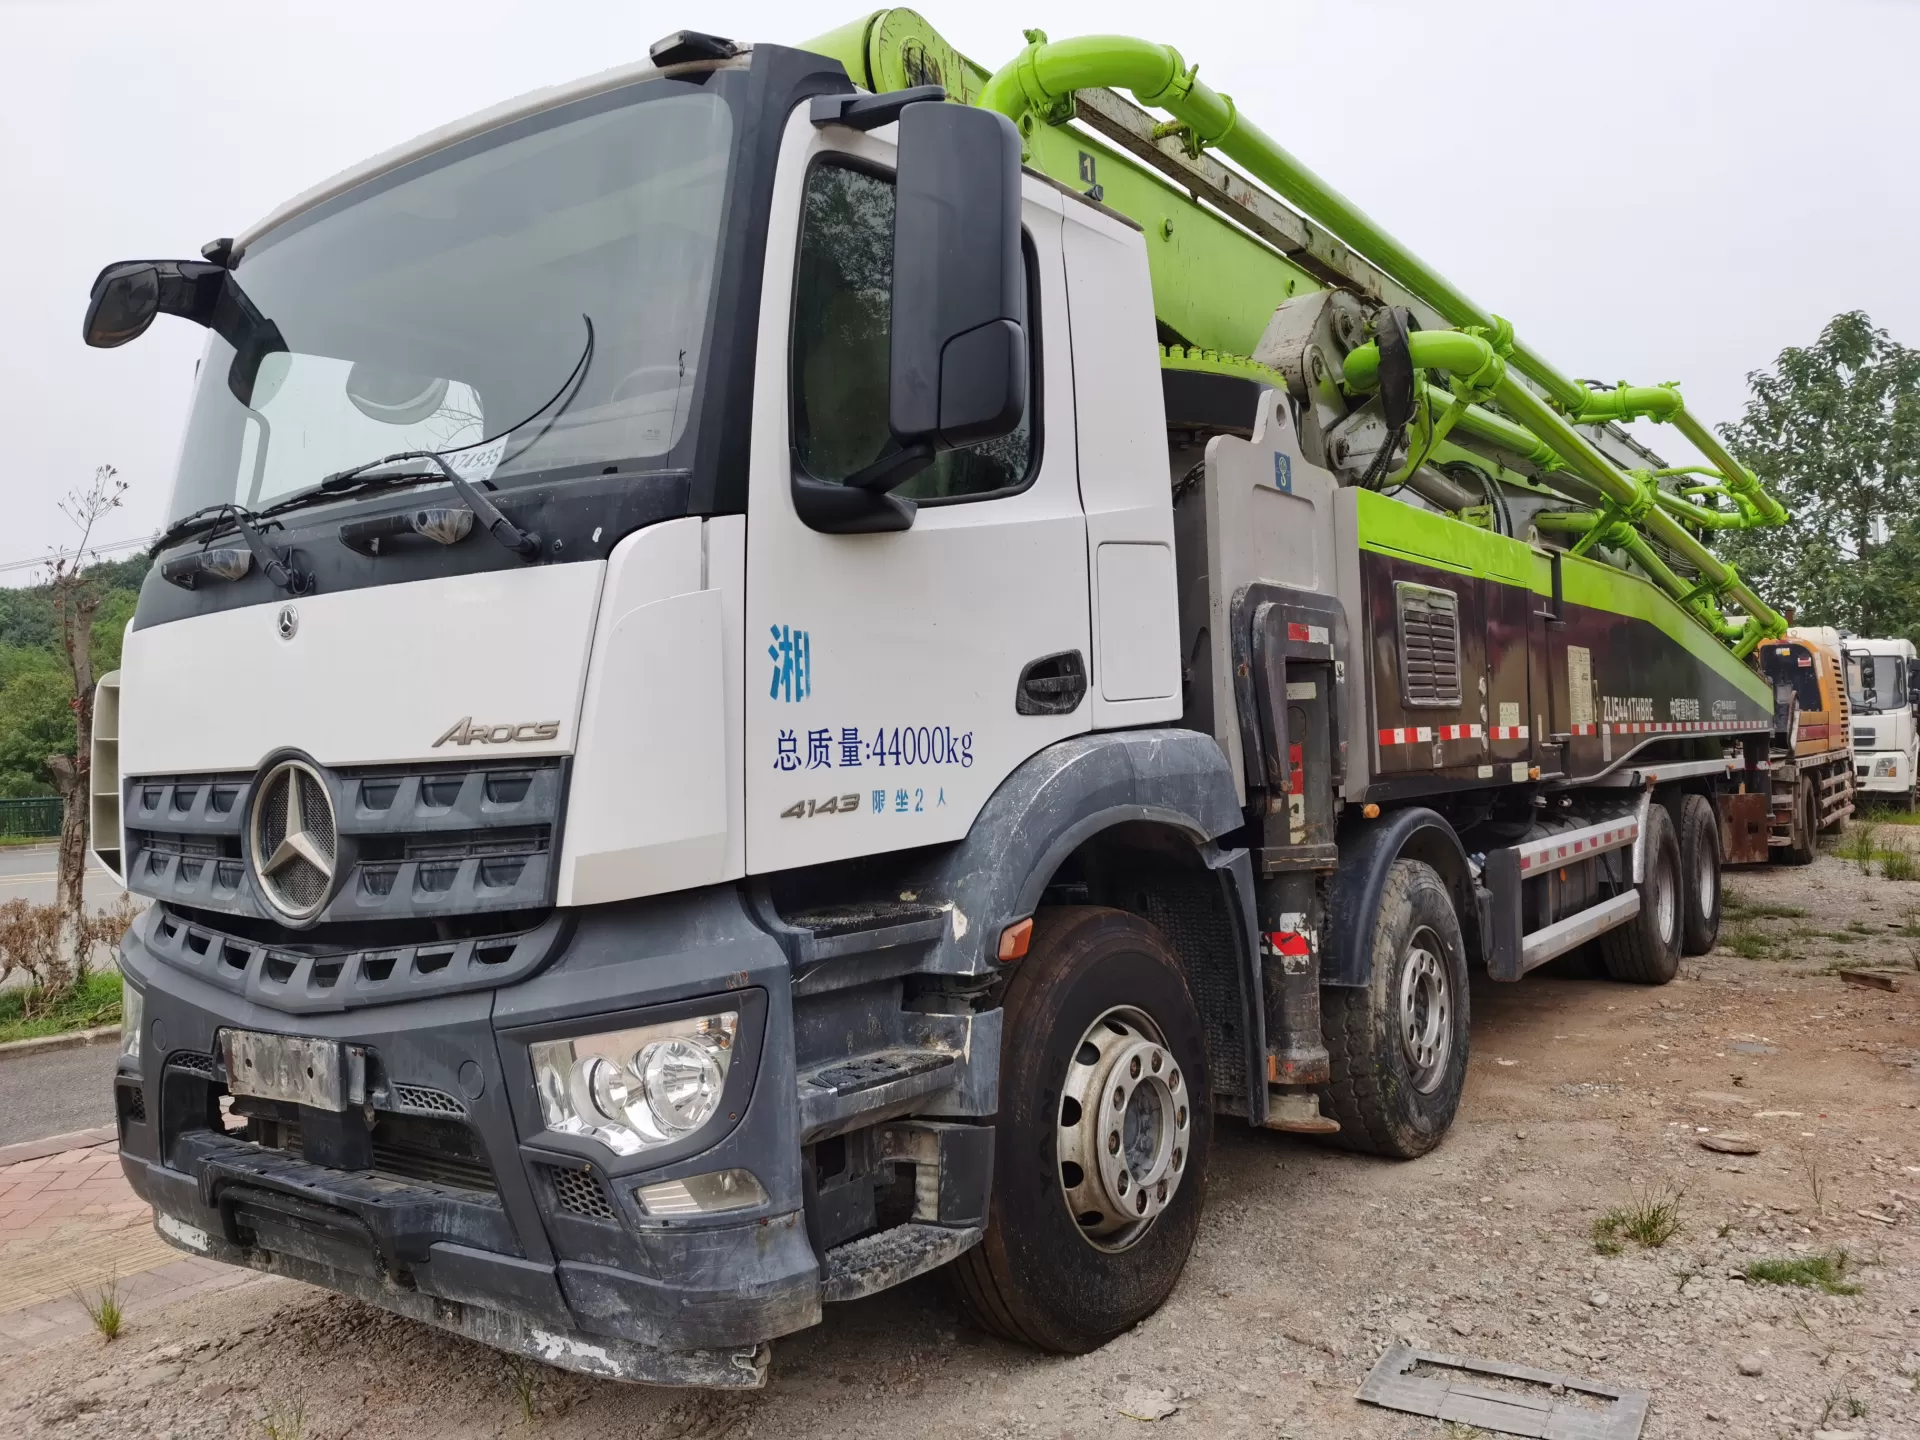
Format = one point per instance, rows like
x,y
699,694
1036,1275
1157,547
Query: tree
x,y
75,603
1834,431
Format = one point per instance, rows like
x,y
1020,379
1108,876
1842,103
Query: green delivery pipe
x,y
1043,73
1046,72
1469,354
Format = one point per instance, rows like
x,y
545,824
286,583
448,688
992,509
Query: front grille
x,y
405,1147
1863,737
192,1061
437,841
314,971
421,1100
579,1192
133,1104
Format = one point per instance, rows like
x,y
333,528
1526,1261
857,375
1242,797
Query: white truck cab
x,y
1881,687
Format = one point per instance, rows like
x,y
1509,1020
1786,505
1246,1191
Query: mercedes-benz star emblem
x,y
295,841
287,622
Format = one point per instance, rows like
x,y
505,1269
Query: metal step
x,y
831,1095
877,1262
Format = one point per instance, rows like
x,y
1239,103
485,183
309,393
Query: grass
x,y
104,1309
285,1422
1812,1272
1857,846
1842,1404
94,1001
1735,906
525,1382
1898,865
22,841
1649,1223
1748,943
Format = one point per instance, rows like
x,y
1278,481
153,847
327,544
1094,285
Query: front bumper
x,y
472,1217
1886,771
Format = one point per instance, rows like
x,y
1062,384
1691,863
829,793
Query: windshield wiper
x,y
187,570
525,543
355,481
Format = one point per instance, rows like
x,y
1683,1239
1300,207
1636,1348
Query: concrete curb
x,y
68,1041
56,1145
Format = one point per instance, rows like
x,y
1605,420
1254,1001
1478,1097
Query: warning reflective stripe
x,y
1507,732
1580,844
1459,732
1407,735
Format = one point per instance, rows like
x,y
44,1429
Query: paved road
x,y
26,873
56,1092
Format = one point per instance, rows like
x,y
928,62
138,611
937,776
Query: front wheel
x,y
1398,1044
1101,1143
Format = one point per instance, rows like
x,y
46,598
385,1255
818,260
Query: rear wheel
x,y
1646,950
1398,1045
1101,1142
1699,829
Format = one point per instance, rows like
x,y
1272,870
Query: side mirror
x,y
127,295
957,341
125,299
959,363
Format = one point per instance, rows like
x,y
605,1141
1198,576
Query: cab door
x,y
884,672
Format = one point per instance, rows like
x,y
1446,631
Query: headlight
x,y
635,1089
133,1013
1886,767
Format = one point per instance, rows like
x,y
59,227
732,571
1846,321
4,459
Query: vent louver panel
x,y
1429,646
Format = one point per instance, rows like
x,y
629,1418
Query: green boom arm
x,y
1039,83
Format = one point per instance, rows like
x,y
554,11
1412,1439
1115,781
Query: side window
x,y
843,302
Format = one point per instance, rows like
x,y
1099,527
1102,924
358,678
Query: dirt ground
x,y
1583,1096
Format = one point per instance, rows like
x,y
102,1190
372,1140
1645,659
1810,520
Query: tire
x,y
1098,991
1699,829
1803,843
1646,950
1398,1045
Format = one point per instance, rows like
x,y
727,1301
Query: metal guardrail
x,y
30,815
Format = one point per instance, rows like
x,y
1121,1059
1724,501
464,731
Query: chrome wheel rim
x,y
1707,882
1663,894
1426,1011
1125,1124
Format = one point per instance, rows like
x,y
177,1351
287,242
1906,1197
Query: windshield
x,y
1876,682
441,310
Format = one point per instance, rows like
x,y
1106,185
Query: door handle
x,y
1052,685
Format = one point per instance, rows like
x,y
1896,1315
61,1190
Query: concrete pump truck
x,y
785,666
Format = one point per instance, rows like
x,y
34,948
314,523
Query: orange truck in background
x,y
1812,759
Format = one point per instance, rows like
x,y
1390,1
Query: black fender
x,y
1368,849
1060,798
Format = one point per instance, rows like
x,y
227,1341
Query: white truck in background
x,y
1883,686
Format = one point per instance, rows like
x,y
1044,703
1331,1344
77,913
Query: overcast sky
x,y
1649,191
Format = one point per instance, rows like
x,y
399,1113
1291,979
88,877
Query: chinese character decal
x,y
792,656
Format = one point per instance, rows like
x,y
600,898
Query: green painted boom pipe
x,y
1740,480
1470,355
1497,430
1044,73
